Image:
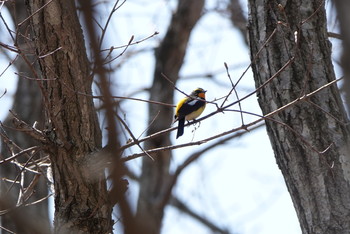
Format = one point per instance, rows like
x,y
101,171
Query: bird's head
x,y
199,92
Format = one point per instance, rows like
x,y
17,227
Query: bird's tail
x,y
180,128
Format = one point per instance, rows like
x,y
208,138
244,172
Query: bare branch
x,y
34,148
184,208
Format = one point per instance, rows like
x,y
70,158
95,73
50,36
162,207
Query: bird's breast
x,y
194,114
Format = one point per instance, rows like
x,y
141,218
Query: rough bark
x,y
169,59
319,184
28,104
81,204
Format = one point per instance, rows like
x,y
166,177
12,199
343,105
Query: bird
x,y
189,108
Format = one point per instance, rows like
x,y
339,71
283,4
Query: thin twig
x,y
150,124
36,12
129,44
104,30
137,99
34,148
132,135
232,89
111,60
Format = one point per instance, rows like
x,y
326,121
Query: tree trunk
x,y
81,204
296,35
169,58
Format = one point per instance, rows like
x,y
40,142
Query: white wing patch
x,y
192,103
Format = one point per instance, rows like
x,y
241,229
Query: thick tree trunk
x,y
81,204
319,184
169,58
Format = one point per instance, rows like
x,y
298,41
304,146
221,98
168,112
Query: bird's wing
x,y
190,106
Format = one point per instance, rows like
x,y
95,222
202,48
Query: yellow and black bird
x,y
189,108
